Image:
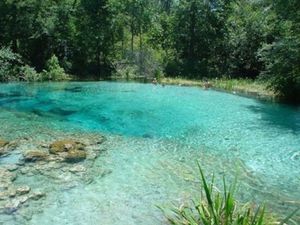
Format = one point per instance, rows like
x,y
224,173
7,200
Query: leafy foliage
x,y
29,74
9,62
54,71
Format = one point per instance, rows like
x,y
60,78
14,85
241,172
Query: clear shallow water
x,y
155,135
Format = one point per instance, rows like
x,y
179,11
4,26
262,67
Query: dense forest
x,y
257,39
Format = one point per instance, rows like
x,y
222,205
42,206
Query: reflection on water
x,y
154,137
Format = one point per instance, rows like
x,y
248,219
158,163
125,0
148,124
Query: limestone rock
x,y
33,156
23,199
65,146
12,193
37,195
3,195
6,176
11,167
23,190
74,156
11,207
77,169
3,143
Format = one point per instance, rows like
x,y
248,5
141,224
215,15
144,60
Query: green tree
x,y
282,56
250,26
54,71
198,37
95,37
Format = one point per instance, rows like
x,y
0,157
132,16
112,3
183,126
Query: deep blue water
x,y
168,126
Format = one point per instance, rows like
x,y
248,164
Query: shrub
x,y
29,74
158,74
54,71
216,208
9,65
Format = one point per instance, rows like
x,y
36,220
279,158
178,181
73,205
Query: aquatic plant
x,y
220,208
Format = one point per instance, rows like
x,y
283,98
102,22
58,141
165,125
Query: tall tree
x,y
95,36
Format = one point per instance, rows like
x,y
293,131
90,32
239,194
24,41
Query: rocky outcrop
x,y
65,146
71,151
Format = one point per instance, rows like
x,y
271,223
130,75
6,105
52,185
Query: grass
x,y
247,87
220,208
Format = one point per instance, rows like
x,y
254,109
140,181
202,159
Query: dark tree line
x,y
189,38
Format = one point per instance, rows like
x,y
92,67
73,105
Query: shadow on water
x,y
9,101
281,116
11,94
75,89
53,112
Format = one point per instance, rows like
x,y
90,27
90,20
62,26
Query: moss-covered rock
x,y
33,156
65,146
74,156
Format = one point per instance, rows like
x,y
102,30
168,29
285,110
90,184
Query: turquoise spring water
x,y
154,137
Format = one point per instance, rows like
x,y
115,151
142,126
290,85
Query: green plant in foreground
x,y
216,208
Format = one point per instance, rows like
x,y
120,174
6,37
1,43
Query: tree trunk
x,y
132,35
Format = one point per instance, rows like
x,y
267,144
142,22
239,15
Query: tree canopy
x,y
257,39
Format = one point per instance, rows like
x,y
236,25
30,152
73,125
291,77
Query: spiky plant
x,y
220,208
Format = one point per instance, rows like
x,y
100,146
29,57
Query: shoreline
x,y
241,87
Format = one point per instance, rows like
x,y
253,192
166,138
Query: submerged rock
x,y
12,192
74,156
11,167
12,206
33,156
9,192
65,146
37,195
6,176
3,143
23,190
77,169
6,147
3,195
